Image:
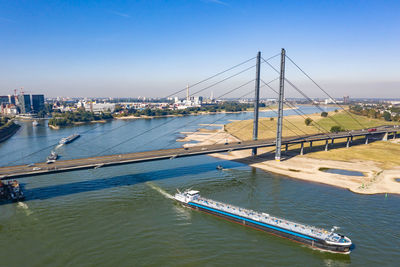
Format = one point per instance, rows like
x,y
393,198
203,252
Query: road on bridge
x,y
11,172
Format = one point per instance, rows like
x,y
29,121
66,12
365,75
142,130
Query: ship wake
x,y
160,190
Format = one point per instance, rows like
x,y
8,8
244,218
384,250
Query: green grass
x,y
294,125
348,123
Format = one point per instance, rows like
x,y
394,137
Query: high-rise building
x,y
11,99
346,99
37,102
3,99
24,103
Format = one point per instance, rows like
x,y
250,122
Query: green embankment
x,y
386,153
8,130
294,125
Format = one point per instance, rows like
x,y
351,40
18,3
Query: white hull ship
x,y
311,236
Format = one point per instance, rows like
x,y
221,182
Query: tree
x,y
324,114
308,121
387,116
336,128
336,111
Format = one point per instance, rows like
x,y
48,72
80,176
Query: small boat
x,y
69,139
316,238
219,167
35,123
52,158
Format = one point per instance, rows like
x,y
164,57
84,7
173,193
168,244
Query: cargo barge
x,y
69,139
316,238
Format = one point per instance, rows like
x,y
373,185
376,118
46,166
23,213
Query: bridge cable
x,y
260,122
146,131
200,116
299,112
324,91
213,122
304,95
211,77
207,87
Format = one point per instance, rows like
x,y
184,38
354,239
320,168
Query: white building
x,y
95,107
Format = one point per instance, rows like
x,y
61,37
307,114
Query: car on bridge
x,y
372,130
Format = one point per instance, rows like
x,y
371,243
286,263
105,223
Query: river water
x,y
123,215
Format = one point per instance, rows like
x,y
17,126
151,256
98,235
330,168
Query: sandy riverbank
x,y
375,180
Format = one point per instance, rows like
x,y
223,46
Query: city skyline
x,y
152,48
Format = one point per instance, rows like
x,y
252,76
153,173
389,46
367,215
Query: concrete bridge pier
x,y
333,141
326,145
310,145
366,139
348,142
385,136
394,135
286,148
302,148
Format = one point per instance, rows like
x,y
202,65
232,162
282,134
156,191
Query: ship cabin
x,y
192,195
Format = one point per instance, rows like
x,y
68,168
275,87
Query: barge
x,y
69,139
316,238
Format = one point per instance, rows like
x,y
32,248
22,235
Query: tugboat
x,y
316,238
11,191
52,158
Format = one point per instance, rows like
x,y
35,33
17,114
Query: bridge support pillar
x,y
394,135
333,141
302,148
385,137
256,102
280,108
326,145
366,139
348,142
286,148
310,145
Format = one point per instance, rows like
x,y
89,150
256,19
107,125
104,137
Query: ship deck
x,y
266,218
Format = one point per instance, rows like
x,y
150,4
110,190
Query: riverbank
x,y
378,176
56,127
8,130
130,117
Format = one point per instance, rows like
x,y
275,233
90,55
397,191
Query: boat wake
x,y
160,190
25,207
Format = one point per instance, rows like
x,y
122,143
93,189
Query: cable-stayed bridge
x,y
298,135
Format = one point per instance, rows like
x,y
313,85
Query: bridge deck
x,y
11,172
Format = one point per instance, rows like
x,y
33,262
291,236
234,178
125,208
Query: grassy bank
x,y
294,125
7,130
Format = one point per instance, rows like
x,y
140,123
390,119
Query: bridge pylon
x,y
256,102
280,107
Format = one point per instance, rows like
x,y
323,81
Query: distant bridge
x,y
20,171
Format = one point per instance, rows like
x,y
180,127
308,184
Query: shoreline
x,y
376,179
7,131
198,113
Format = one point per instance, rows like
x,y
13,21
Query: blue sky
x,y
151,48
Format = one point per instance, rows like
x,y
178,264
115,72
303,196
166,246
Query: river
x,y
123,215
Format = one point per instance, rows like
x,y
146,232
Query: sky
x,y
152,48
